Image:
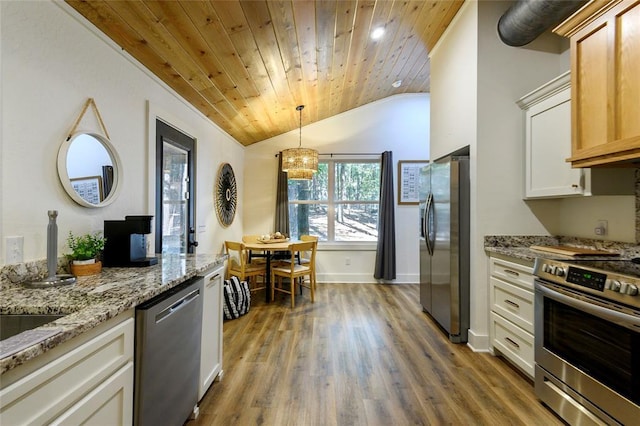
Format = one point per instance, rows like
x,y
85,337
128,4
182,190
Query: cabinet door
x,y
548,145
211,346
627,70
111,403
605,58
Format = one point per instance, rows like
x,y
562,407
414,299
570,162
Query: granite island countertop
x,y
96,298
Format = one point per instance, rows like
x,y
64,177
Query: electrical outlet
x,y
14,250
601,227
347,261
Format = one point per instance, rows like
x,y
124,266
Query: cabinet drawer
x,y
514,273
513,343
513,303
72,370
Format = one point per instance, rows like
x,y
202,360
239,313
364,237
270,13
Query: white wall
x,y
454,86
475,82
399,124
578,217
52,62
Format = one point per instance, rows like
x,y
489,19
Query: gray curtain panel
x,y
386,250
282,201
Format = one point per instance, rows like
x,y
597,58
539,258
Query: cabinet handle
x,y
514,304
212,280
512,342
510,272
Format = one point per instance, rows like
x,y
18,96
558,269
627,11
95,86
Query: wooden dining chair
x,y
254,257
304,274
303,258
238,265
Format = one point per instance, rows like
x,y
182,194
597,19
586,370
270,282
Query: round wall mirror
x,y
90,169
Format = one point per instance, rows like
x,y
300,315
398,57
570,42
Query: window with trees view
x,y
339,204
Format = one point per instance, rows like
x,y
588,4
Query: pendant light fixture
x,y
300,163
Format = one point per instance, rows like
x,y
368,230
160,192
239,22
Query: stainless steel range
x,y
587,339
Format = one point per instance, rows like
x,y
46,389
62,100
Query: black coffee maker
x,y
125,245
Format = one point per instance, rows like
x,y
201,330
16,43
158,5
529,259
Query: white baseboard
x,y
478,342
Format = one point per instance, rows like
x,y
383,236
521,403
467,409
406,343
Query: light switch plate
x,y
14,250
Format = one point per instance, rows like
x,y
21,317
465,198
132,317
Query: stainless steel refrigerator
x,y
444,244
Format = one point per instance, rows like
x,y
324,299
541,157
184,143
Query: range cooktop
x,y
612,279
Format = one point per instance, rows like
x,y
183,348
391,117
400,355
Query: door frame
x,y
183,141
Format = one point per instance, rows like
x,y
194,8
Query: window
x,y
339,204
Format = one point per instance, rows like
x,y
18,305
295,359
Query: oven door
x,y
587,354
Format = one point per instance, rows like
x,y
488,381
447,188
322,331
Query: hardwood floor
x,y
362,354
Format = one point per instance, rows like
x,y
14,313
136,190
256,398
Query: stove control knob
x,y
632,290
623,287
560,271
615,285
546,268
607,284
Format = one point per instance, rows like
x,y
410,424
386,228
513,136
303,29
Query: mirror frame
x,y
66,181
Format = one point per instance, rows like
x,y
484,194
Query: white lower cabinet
x,y
512,311
211,343
86,380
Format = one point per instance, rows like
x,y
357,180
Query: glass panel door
x,y
175,192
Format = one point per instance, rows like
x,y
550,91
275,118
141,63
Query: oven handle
x,y
621,318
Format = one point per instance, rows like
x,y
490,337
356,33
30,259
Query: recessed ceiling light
x,y
397,83
377,33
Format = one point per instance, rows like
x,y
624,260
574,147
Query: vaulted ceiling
x,y
246,65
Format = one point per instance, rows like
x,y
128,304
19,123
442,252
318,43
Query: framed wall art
x,y
89,188
409,180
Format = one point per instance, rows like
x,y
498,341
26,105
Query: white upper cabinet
x,y
547,112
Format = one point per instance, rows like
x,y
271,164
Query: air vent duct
x,y
525,20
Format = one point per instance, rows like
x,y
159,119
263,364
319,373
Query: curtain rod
x,y
348,153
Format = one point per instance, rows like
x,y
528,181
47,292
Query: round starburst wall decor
x,y
226,195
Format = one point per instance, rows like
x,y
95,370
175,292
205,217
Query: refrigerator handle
x,y
423,221
427,223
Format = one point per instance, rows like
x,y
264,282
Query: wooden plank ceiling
x,y
247,64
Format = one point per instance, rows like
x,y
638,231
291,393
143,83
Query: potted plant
x,y
85,252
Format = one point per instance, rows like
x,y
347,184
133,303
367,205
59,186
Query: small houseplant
x,y
85,253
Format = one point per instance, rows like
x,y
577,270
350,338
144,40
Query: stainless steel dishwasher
x,y
167,355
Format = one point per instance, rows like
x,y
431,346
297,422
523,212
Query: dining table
x,y
269,248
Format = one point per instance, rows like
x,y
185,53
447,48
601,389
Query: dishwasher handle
x,y
181,303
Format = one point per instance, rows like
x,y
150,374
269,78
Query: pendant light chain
x,y
300,108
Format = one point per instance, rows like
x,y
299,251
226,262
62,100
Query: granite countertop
x,y
519,246
96,298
